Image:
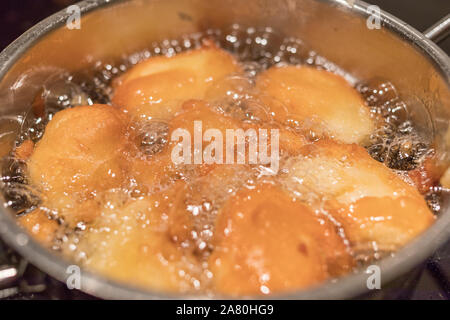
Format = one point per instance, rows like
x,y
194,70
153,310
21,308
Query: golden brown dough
x,y
157,87
319,100
266,242
427,174
81,158
159,169
371,202
24,151
79,155
134,244
40,226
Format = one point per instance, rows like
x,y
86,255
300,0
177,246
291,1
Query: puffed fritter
x,y
316,100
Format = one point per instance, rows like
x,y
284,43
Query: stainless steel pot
x,y
336,29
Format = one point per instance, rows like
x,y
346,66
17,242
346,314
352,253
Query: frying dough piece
x,y
40,226
371,202
159,169
24,151
265,242
134,244
427,174
157,87
77,164
318,100
79,155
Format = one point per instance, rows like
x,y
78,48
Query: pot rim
x,y
347,286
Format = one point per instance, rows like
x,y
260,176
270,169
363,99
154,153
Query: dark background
x,y
430,282
16,16
421,14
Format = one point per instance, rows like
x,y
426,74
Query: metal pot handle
x,y
440,30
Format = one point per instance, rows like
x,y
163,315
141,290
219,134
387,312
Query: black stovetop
x,y
428,281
